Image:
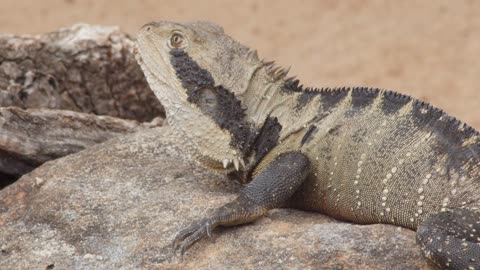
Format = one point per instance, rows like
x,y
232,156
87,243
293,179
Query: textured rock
x,y
84,68
31,137
117,205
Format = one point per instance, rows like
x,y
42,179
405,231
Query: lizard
x,y
358,154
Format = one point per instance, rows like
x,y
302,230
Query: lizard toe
x,y
188,236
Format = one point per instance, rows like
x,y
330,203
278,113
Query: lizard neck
x,y
270,95
264,92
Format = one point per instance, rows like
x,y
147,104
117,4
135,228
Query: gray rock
x,y
69,76
118,205
31,137
83,68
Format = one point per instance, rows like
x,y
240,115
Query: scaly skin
x,y
357,154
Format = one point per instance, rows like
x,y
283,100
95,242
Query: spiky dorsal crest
x,y
275,72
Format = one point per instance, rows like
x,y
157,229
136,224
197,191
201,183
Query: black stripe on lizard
x,y
216,101
225,109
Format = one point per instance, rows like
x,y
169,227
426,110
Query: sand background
x,y
429,49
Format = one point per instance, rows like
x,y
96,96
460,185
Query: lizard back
x,y
380,156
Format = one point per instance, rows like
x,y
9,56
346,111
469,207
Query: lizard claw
x,y
188,236
209,228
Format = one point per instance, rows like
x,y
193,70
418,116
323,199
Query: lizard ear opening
x,y
208,100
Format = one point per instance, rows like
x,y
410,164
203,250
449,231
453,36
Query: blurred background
x,y
429,49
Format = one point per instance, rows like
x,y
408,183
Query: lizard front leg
x,y
269,189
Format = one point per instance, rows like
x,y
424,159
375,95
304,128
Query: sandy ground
x,y
429,49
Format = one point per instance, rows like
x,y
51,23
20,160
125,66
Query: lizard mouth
x,y
225,166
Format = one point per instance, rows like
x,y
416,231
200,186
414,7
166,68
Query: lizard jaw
x,y
224,166
236,162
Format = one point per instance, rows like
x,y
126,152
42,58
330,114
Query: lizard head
x,y
200,74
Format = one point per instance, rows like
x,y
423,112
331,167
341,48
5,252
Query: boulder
x,y
119,204
63,91
82,68
31,137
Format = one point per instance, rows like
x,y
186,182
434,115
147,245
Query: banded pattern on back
x,y
374,150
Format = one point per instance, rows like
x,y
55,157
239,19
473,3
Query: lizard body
x,y
358,154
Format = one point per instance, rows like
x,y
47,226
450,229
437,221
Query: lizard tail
x,y
451,239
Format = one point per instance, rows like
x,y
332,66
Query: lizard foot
x,y
242,210
188,236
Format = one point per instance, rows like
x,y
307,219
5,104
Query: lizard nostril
x,y
148,26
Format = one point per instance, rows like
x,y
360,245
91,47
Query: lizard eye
x,y
177,40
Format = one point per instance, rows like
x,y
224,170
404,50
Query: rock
x,y
31,137
83,68
118,205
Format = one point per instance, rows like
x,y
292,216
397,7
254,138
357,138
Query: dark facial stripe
x,y
215,101
192,76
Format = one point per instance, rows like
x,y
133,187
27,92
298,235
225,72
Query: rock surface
x,y
31,137
83,68
75,77
118,205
